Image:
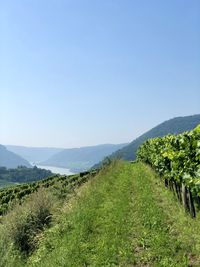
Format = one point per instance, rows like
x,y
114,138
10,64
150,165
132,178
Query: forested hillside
x,y
34,154
81,159
9,159
172,126
23,174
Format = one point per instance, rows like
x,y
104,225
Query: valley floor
x,y
123,217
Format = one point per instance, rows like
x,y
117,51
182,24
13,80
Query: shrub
x,y
25,223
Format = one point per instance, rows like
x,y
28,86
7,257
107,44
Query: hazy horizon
x,y
76,147
49,147
83,73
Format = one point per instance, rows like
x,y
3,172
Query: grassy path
x,y
123,217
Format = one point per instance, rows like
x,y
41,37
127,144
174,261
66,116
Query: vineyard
x,y
177,160
60,185
123,217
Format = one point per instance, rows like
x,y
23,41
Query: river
x,y
57,170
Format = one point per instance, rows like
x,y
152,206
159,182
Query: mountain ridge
x,y
10,159
80,159
34,154
172,126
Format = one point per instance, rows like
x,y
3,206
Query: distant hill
x,y
34,154
172,126
23,174
80,159
9,159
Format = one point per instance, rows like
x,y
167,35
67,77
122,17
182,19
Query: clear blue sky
x,y
85,72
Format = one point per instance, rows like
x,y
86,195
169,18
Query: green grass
x,y
125,217
95,233
122,217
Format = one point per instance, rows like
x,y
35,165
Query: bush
x,y
25,223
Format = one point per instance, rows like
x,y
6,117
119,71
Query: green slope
x,y
83,158
123,217
172,126
34,154
9,159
